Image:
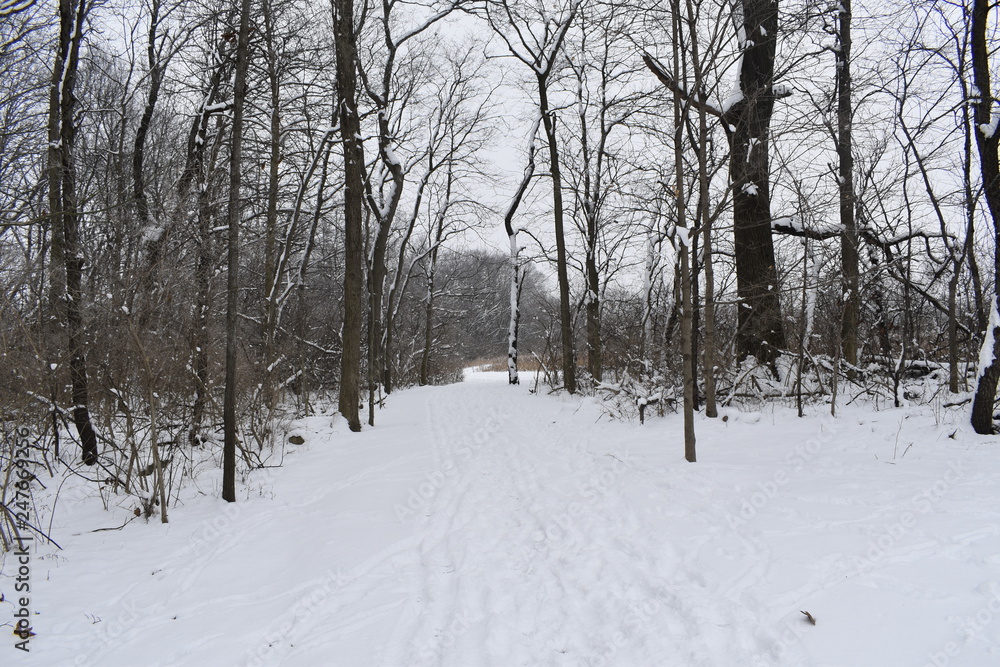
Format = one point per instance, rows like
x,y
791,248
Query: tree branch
x,y
672,86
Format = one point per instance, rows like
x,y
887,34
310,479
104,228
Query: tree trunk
x,y
706,224
684,245
515,260
271,277
514,325
987,140
354,161
204,263
591,187
694,238
595,362
67,262
233,260
152,235
377,273
565,316
760,330
845,182
425,358
199,168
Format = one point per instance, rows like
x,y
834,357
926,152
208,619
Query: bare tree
x,y
65,211
746,118
233,215
515,256
845,186
988,143
535,36
680,111
345,43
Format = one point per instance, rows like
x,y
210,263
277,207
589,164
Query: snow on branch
x,y
11,7
431,20
792,226
529,171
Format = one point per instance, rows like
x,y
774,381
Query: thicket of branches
x,y
807,177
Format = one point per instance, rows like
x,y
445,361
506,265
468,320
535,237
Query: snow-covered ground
x,y
480,525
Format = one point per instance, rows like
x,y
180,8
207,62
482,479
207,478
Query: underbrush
x,y
641,390
148,459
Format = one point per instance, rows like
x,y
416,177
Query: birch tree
x,y
513,327
534,35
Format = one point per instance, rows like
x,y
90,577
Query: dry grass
x,y
526,365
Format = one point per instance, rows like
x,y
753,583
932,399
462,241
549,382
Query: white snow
x,y
479,524
735,97
151,234
781,90
986,350
989,129
789,222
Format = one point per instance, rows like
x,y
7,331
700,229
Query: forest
x,y
215,216
564,333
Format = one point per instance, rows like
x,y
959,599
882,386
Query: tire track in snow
x,y
437,589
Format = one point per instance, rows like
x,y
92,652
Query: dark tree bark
x,y
198,169
845,182
432,260
705,220
67,262
760,331
746,121
205,259
354,160
988,141
681,109
591,194
153,236
271,276
565,316
233,261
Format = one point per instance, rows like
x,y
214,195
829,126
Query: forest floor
x,y
478,524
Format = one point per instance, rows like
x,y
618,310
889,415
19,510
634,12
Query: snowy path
x,y
480,525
